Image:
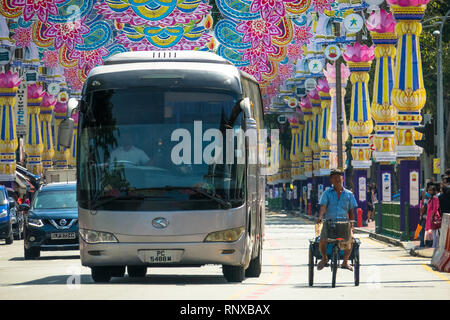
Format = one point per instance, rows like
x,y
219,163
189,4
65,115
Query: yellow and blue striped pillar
x,y
73,147
301,146
330,74
359,59
317,114
382,29
324,142
61,153
9,84
47,105
408,94
408,97
294,148
33,145
307,136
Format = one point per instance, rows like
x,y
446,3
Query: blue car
x,y
52,220
6,231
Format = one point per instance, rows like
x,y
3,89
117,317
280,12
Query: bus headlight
x,y
229,235
92,236
35,222
3,213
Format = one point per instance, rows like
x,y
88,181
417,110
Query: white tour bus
x,y
159,180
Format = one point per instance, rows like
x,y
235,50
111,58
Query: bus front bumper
x,y
135,254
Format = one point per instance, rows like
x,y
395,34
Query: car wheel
x,y
233,273
137,271
10,240
32,253
101,274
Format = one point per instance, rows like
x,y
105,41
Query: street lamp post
x,y
440,97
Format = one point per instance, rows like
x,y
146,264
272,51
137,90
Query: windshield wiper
x,y
219,200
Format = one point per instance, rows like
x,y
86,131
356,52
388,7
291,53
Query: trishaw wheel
x,y
311,268
334,264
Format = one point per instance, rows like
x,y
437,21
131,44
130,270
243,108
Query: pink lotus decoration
x,y
330,72
381,22
34,91
69,33
22,37
314,95
322,5
322,86
359,53
267,7
9,80
48,100
293,120
61,108
50,59
259,30
305,104
75,117
408,3
40,7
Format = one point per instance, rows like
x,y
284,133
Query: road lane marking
x,y
440,275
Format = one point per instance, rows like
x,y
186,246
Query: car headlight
x,y
4,213
35,222
229,235
92,236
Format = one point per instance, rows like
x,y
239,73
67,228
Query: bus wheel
x,y
254,268
137,271
101,274
233,273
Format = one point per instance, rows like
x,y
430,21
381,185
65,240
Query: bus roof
x,y
166,56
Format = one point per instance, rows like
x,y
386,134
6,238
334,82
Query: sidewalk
x,y
411,246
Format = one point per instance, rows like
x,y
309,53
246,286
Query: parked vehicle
x,y
17,219
6,231
52,220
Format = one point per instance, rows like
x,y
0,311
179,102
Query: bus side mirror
x,y
65,132
250,123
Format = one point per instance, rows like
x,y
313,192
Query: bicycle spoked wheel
x,y
334,264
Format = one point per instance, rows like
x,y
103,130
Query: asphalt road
x,y
387,272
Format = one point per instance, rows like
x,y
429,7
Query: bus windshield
x,y
144,149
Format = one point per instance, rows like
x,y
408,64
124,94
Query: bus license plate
x,y
161,256
63,235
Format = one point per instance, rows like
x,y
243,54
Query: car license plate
x,y
63,235
160,256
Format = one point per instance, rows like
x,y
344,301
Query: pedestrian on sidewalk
x,y
336,204
444,197
423,216
431,232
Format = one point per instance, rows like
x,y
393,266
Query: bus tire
x,y
255,266
233,273
137,271
101,274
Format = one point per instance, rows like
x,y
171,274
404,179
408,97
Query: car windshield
x,y
3,199
61,199
150,149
